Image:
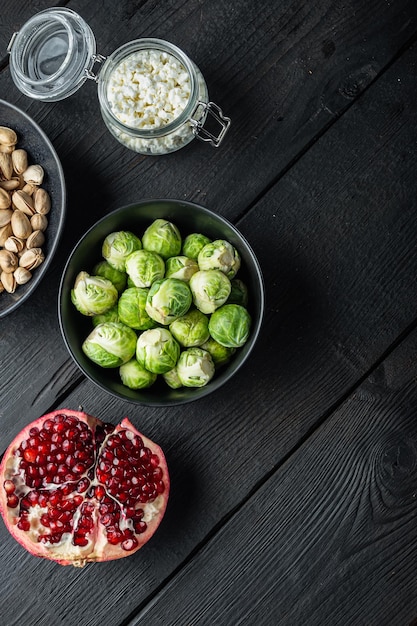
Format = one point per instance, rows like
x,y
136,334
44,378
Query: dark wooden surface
x,y
294,488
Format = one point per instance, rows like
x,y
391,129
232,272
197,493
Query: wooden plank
x,y
272,81
331,537
336,238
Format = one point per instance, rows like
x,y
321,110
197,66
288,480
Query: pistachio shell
x,y
1,287
5,232
39,222
6,166
23,202
35,239
7,149
7,136
5,216
20,160
29,189
5,200
42,201
14,244
22,275
8,261
34,175
32,258
8,281
10,185
20,224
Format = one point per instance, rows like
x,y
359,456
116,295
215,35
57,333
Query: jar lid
x,y
51,56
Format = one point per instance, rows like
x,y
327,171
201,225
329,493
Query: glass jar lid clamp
x,y
54,52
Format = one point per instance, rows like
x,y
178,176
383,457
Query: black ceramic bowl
x,y
189,218
40,150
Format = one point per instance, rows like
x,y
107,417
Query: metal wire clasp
x,y
96,58
210,109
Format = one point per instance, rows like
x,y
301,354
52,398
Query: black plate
x,y
189,218
40,150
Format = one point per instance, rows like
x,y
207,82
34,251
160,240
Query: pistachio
x,y
29,188
34,175
7,136
23,202
42,201
14,244
1,287
8,281
22,275
35,239
5,216
5,232
10,185
20,160
6,166
39,222
8,261
7,149
5,200
31,258
20,224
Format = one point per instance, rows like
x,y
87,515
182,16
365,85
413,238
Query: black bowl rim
x,y
41,271
228,373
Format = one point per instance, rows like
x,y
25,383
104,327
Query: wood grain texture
x,y
331,538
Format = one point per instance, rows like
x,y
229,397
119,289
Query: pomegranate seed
x,y
9,486
80,540
160,486
33,431
54,513
12,501
45,520
154,460
60,457
55,498
43,500
23,524
79,468
100,492
40,459
82,485
30,455
106,520
77,500
139,527
115,537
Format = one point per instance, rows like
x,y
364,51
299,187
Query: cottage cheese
x,y
146,91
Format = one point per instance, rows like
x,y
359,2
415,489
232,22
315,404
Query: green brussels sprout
x,y
219,255
110,344
134,376
144,267
180,267
162,237
114,276
171,379
157,350
210,289
238,293
117,246
109,316
195,367
220,354
190,329
93,295
230,325
168,299
193,243
132,309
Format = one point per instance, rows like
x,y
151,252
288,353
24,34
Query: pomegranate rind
x,y
98,549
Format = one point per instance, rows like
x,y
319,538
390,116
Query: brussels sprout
x,y
132,309
117,246
157,350
210,289
110,344
238,293
191,329
134,376
144,267
230,325
114,276
195,367
171,379
219,255
162,237
181,267
168,299
109,316
93,295
220,354
193,243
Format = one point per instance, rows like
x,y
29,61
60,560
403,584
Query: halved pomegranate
x,y
74,489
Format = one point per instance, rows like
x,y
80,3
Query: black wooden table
x,y
294,488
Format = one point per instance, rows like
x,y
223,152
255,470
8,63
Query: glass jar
x,y
152,97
